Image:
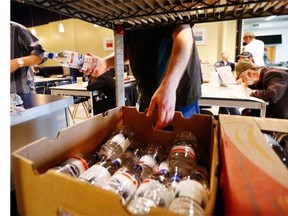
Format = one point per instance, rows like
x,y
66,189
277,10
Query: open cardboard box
x,y
41,191
254,181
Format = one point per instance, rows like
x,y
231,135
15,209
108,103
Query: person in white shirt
x,y
255,47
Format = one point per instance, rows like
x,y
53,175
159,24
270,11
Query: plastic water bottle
x,y
152,156
124,183
153,191
277,148
77,164
72,59
117,144
99,173
191,193
182,157
132,155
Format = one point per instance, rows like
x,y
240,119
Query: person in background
x,y
255,47
25,51
225,61
166,66
268,84
107,100
245,56
267,60
105,83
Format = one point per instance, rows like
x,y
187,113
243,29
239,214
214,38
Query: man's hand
x,y
164,100
97,68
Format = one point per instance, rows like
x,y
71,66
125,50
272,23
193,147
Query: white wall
x,y
79,36
271,28
220,36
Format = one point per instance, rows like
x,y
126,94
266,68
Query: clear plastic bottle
x,y
124,182
153,191
117,144
191,193
182,156
77,164
100,173
132,155
152,156
277,148
71,59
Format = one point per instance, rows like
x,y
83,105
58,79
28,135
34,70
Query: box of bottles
x,y
40,190
254,177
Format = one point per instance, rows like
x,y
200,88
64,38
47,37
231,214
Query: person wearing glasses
x,y
268,84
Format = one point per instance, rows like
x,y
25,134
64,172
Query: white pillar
x,y
119,69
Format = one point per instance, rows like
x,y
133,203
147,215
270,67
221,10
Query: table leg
x,y
91,103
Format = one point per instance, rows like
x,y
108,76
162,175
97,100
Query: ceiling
x,y
148,13
29,15
260,23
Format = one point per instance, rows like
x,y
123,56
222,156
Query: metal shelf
x,y
135,14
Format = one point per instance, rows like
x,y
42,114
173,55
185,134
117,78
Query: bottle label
x,y
78,163
155,191
124,183
96,175
192,189
76,60
89,62
123,141
183,149
70,59
147,160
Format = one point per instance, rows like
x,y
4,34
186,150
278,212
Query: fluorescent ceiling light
x,y
270,17
61,27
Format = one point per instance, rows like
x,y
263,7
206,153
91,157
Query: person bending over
x,y
268,84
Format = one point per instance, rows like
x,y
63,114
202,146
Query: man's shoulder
x,y
260,42
272,71
232,63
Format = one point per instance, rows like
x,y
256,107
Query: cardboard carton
x,y
254,181
41,191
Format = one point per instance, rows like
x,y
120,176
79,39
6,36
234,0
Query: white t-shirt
x,y
256,48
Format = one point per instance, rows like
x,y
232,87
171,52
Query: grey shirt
x,y
23,43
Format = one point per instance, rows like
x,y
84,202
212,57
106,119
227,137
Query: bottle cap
x,y
49,55
117,162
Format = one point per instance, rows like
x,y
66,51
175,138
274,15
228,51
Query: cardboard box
x,y
254,181
41,191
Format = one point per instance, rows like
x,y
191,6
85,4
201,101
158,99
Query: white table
x,y
39,79
81,90
230,96
75,90
52,79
